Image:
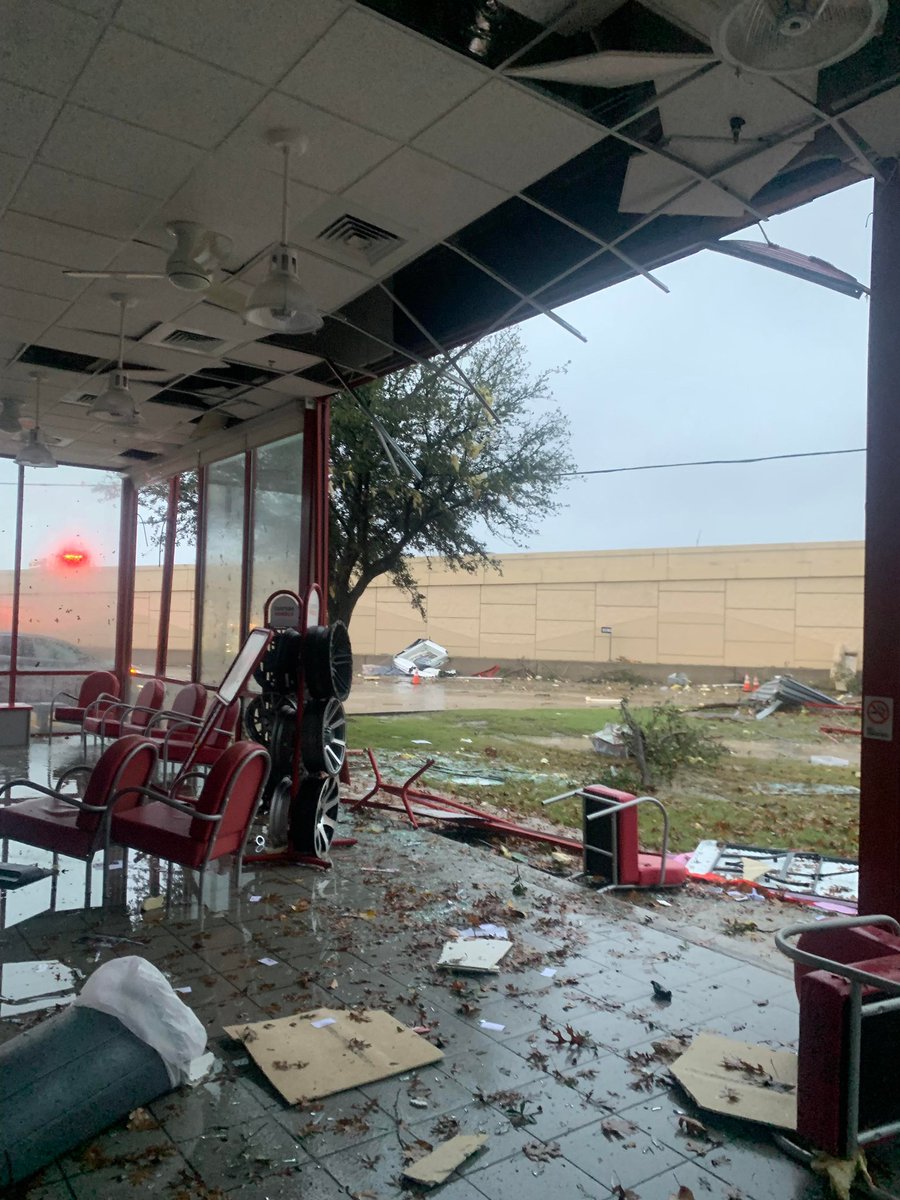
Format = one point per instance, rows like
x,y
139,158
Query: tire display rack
x,y
305,676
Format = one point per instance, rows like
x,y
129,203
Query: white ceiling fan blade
x,y
226,295
612,68
115,274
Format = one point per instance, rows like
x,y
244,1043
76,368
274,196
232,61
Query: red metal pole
x,y
125,591
17,585
199,573
168,574
308,502
247,541
879,834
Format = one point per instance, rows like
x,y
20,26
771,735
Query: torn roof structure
x,y
466,165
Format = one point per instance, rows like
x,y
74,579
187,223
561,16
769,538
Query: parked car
x,y
38,652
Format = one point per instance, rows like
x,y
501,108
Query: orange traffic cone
x,y
756,683
748,687
415,679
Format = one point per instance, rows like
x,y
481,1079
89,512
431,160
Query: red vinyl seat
x,y
97,689
189,704
195,833
180,742
77,828
110,720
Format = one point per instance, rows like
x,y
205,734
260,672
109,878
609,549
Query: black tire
x,y
280,667
257,720
323,736
328,661
283,739
280,806
314,815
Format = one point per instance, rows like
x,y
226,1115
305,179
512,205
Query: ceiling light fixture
x,y
281,302
34,451
116,402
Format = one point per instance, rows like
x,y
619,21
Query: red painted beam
x,y
879,834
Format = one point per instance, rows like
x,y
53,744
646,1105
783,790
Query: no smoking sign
x,y
878,718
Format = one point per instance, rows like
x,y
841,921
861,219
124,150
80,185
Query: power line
x,y
712,462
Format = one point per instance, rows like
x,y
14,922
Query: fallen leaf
x,y
616,1130
692,1128
624,1193
683,1193
141,1119
541,1151
661,993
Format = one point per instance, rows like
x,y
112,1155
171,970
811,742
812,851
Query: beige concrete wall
x,y
726,606
792,605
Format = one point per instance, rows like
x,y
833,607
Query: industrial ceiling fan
x,y
191,266
769,37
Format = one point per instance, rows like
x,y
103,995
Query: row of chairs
x,y
99,712
121,805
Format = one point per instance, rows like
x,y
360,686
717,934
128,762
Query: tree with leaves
x,y
481,478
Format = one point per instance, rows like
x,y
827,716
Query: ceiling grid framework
x,y
122,116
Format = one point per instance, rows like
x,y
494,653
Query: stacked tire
x,y
322,660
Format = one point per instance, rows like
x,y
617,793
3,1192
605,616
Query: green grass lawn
x,y
723,801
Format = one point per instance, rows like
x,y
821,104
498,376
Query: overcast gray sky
x,y
738,360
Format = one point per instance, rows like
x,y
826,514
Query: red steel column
x,y
17,585
125,597
879,835
168,573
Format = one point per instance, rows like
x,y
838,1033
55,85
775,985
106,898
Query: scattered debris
x,y
663,994
795,872
786,692
480,955
424,658
678,679
610,741
152,904
325,1055
828,760
616,1129
437,1166
731,1077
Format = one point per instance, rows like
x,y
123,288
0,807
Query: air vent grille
x,y
191,340
138,455
357,236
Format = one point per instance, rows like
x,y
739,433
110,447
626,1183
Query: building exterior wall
x,y
791,605
741,607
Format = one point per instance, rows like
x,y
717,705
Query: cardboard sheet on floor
x,y
437,1166
738,1080
318,1053
474,954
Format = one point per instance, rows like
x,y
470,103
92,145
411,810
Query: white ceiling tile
x,y
276,357
424,194
878,121
26,118
45,279
153,86
103,148
17,329
228,195
82,203
297,385
262,43
102,9
43,45
338,152
507,136
380,76
47,241
30,307
705,107
96,312
11,171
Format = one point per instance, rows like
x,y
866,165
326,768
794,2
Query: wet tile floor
x,y
598,1119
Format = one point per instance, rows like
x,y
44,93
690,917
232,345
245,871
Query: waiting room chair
x,y
77,828
96,685
109,719
197,832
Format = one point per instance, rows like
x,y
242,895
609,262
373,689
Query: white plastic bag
x,y
140,996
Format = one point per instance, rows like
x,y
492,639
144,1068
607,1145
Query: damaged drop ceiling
x,y
466,166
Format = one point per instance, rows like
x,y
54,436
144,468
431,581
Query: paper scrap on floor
x,y
488,930
474,954
306,1059
437,1166
739,1080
